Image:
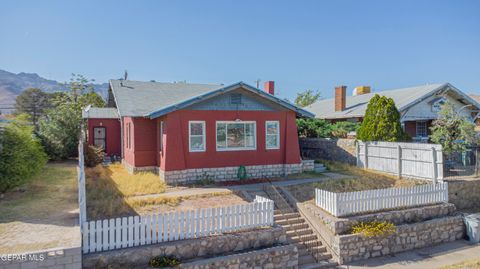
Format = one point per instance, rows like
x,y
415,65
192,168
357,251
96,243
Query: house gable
x,y
224,90
239,99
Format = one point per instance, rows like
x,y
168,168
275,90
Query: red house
x,y
188,131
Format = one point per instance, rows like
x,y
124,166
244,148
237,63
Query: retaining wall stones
x,y
397,217
410,236
465,194
138,257
341,150
58,258
276,257
230,173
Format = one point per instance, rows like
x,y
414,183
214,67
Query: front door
x,y
99,137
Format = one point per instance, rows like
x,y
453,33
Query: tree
x,y
306,98
381,121
342,128
60,128
33,102
21,154
452,130
313,128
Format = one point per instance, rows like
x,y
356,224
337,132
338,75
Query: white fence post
x,y
399,156
434,166
365,156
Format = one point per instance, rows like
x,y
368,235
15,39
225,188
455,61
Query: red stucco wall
x,y
112,128
143,149
178,157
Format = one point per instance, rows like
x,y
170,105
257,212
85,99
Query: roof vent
x,y
235,99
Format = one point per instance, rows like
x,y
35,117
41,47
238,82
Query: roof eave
x,y
191,101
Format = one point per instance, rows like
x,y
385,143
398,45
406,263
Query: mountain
x,y
11,85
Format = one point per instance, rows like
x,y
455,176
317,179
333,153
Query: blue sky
x,y
298,44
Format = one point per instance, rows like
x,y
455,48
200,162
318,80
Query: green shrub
x,y
381,122
21,155
93,155
374,228
342,128
163,261
313,128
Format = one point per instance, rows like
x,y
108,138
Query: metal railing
x,y
463,163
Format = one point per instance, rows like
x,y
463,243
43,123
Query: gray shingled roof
x,y
137,98
154,99
100,113
357,105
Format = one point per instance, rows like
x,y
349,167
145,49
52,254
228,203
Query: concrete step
x,y
298,226
286,216
320,248
287,222
297,239
303,231
319,265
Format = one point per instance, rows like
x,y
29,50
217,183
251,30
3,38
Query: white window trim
x,y
203,136
226,144
267,134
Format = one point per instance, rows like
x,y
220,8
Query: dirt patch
x,y
185,204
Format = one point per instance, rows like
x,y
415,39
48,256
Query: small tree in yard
x,y
452,130
313,128
60,128
381,122
306,98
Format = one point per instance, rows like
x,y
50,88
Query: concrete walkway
x,y
426,258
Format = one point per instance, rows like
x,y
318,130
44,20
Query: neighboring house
x,y
186,131
418,106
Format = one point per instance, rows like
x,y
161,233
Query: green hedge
x,y
21,155
313,128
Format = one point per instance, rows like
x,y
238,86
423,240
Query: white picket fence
x,y
351,203
109,234
411,160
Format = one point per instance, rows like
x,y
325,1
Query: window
x,y
272,134
234,135
196,131
422,129
99,137
161,135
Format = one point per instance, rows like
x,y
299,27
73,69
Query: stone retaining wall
x,y
410,236
230,173
276,257
465,194
68,258
341,150
397,217
138,257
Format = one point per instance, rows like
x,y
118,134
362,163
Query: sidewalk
x,y
426,258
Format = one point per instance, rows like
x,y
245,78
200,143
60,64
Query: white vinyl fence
x,y
411,160
102,235
351,203
81,179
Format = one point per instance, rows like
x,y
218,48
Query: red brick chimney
x,y
269,87
340,98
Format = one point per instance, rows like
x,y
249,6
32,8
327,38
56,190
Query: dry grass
x,y
115,175
361,179
52,192
46,209
472,264
309,174
111,191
